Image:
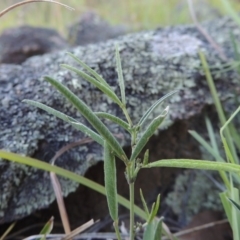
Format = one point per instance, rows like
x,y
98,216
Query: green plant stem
x,y
134,138
115,224
127,116
131,191
130,175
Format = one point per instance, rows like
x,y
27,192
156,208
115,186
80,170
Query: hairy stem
x,y
131,179
115,224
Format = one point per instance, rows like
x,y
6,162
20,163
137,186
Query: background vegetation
x,y
137,14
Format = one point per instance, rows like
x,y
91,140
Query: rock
x,y
194,192
18,44
91,28
154,63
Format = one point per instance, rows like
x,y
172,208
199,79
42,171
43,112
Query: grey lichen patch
x,y
149,74
193,192
175,45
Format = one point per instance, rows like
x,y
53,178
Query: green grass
x,y
138,14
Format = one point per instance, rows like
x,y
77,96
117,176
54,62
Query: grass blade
x,y
154,209
90,116
154,106
206,145
211,135
110,181
213,151
67,174
144,204
231,153
158,230
237,206
79,126
217,103
227,206
114,119
120,76
147,134
105,89
47,228
235,214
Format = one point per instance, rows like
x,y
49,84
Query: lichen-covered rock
x,y
193,192
91,28
18,44
154,63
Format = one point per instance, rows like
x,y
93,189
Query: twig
x,y
60,202
198,228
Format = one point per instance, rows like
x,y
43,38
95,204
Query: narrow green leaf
x,y
149,232
105,89
47,228
234,194
237,206
114,119
96,137
154,210
146,157
120,76
79,126
211,135
227,206
110,174
213,140
144,204
217,103
235,135
158,230
154,106
147,134
213,152
90,70
227,150
90,116
206,145
195,164
230,151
